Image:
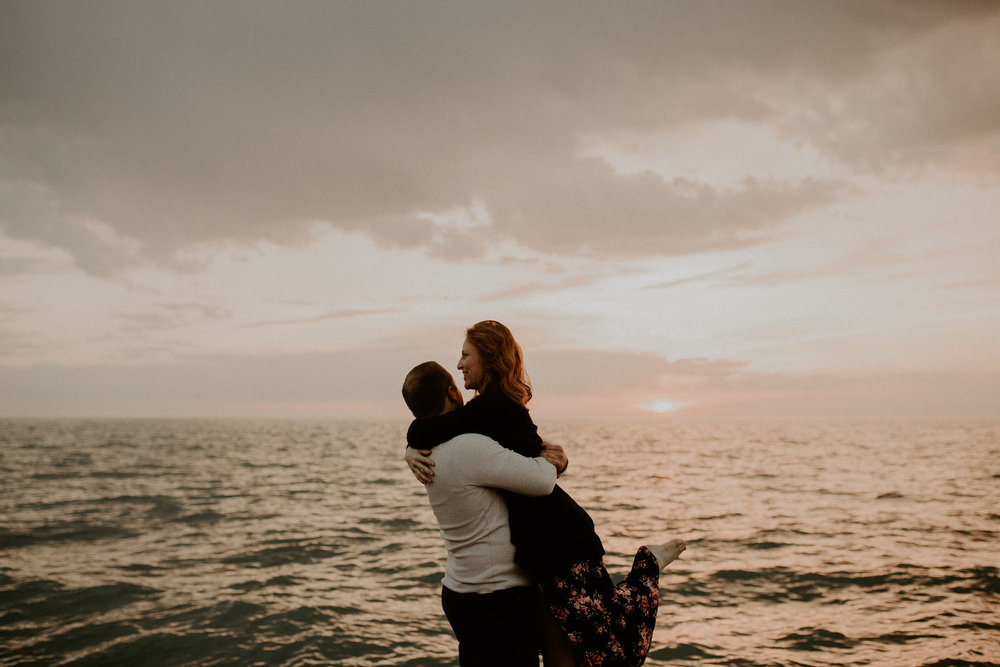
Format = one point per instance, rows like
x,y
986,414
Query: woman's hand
x,y
555,455
421,465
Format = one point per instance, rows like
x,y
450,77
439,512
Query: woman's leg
x,y
635,602
608,624
667,553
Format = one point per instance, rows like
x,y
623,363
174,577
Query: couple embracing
x,y
525,569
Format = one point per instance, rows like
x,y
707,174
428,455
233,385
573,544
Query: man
x,y
490,601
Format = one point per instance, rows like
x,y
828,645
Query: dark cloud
x,y
134,129
586,209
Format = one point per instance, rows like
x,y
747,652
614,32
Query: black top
x,y
548,532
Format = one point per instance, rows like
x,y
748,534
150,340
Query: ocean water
x,y
305,543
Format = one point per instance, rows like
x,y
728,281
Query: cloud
x,y
729,273
33,211
528,289
603,372
323,317
601,382
133,131
588,211
365,382
207,385
923,102
169,316
862,396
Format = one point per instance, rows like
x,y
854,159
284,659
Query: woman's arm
x,y
552,453
429,432
422,465
495,416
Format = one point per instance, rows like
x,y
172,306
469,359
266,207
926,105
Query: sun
x,y
662,407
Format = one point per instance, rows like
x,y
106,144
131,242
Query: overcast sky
x,y
705,208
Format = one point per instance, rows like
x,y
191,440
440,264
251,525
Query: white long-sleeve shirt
x,y
472,514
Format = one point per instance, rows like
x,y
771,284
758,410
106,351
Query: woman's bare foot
x,y
667,553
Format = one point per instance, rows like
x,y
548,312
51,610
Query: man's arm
x,y
422,465
489,464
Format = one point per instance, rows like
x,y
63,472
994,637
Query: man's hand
x,y
555,455
421,465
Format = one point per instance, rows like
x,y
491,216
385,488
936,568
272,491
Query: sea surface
x,y
211,542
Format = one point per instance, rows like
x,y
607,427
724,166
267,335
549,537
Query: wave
x,y
197,518
776,584
274,582
235,632
292,553
683,651
78,639
31,601
68,531
812,639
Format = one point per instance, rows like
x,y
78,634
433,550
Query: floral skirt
x,y
607,625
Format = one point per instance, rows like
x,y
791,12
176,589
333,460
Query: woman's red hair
x,y
503,363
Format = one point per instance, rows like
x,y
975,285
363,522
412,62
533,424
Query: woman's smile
x,y
471,366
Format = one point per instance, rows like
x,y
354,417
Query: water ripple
x,y
210,542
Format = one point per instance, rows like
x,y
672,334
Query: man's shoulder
x,y
467,449
465,453
467,440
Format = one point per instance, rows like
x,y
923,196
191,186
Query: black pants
x,y
496,629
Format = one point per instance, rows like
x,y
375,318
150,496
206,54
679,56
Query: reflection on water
x,y
239,542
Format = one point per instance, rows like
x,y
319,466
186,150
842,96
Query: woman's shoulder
x,y
496,400
500,408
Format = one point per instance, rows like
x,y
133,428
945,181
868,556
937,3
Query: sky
x,y
681,209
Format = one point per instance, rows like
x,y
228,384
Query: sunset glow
x,y
662,407
776,209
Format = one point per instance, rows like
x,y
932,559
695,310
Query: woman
x,y
554,537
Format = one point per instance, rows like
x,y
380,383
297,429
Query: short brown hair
x,y
426,388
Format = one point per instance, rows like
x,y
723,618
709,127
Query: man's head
x,y
430,390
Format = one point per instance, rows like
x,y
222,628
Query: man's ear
x,y
454,395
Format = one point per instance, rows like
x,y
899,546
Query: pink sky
x,y
709,209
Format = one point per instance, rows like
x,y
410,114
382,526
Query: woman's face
x,y
471,366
